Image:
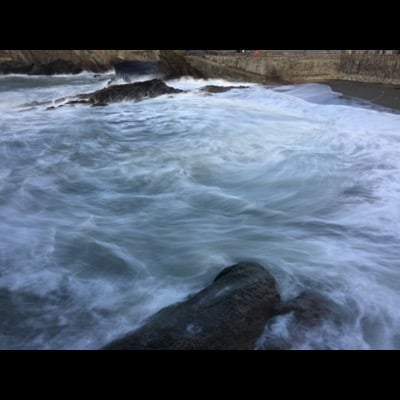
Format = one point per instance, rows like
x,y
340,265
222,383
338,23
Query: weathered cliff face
x,y
67,61
172,63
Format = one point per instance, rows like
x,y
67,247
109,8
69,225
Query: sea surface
x,y
108,214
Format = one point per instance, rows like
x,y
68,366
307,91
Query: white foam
x,y
113,213
189,83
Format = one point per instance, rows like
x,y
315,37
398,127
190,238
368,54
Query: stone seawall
x,y
283,68
370,68
375,68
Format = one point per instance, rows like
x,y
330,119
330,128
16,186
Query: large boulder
x,y
228,314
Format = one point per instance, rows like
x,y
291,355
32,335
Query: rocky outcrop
x,y
50,62
228,314
238,310
131,91
171,63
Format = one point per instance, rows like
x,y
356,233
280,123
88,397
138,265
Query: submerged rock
x,y
307,321
220,89
310,308
228,314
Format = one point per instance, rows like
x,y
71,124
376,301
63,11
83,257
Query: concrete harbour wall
x,y
376,68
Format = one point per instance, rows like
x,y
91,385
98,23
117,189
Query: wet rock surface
x,y
306,321
220,89
228,314
131,91
240,310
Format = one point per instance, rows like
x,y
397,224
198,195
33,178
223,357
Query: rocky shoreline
x,y
170,64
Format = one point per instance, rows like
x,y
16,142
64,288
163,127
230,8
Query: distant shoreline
x,y
377,93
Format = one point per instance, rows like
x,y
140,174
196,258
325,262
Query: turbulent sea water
x,y
109,214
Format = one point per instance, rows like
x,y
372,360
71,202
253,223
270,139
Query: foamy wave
x,y
109,214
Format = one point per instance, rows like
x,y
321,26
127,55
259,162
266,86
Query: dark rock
x,y
229,314
99,105
131,91
220,89
70,102
55,67
310,308
133,69
12,67
83,101
51,68
174,65
304,320
63,61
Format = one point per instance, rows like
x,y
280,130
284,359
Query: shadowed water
x,y
109,214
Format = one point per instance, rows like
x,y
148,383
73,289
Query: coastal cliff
x,y
172,63
48,62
